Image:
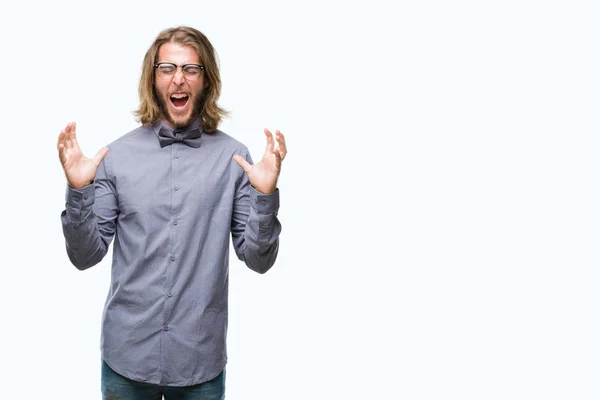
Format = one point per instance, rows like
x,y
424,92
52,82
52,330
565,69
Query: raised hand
x,y
263,175
79,170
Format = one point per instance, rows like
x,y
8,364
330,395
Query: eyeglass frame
x,y
177,67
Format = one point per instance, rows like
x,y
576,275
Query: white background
x,y
439,202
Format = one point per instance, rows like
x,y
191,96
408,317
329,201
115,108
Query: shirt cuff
x,y
264,203
80,198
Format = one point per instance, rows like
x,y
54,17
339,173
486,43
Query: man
x,y
170,195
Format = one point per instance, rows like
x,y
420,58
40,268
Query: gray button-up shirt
x,y
171,211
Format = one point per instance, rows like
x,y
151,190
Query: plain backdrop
x,y
439,201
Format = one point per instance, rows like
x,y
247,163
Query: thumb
x,y
100,155
242,162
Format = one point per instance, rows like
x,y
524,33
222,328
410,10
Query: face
x,y
179,99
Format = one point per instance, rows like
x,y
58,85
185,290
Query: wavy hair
x,y
211,114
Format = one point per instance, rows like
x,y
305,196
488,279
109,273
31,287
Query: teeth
x,y
179,96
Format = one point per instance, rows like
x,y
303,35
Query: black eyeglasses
x,y
167,70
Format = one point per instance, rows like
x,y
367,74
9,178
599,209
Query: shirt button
x,y
172,258
85,196
176,187
175,222
176,155
263,202
166,328
169,294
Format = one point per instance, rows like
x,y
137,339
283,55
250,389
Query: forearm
x,y
85,243
259,242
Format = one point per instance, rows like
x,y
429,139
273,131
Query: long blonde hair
x,y
211,114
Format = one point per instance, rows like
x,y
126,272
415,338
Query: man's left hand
x,y
263,175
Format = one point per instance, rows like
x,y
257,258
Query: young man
x,y
170,193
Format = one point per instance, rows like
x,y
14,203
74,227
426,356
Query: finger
x,y
281,142
71,133
270,141
61,154
61,139
100,156
277,160
242,163
68,130
61,150
73,136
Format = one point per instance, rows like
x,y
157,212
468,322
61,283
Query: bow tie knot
x,y
167,136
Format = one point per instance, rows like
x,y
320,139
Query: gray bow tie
x,y
191,137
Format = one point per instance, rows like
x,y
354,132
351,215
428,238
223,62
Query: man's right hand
x,y
79,170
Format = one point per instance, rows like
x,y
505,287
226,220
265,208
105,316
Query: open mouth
x,y
179,100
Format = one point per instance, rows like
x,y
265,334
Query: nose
x,y
178,77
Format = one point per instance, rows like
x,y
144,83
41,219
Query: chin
x,y
180,121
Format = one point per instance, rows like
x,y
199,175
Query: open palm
x,y
263,175
79,170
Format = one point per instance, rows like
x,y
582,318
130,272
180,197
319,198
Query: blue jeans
x,y
117,387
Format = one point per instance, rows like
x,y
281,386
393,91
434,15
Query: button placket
x,y
172,258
